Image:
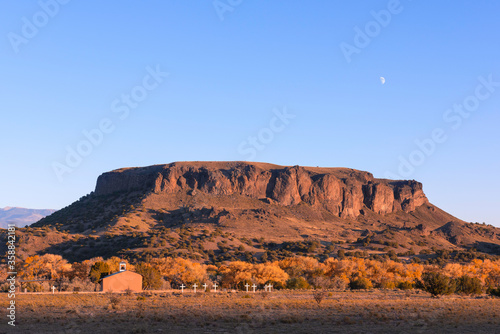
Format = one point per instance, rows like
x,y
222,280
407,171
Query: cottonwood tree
x,y
48,266
269,272
236,272
178,271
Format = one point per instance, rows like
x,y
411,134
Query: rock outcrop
x,y
341,191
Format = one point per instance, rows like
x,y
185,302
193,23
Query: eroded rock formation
x,y
341,191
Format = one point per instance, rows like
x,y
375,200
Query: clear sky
x,y
285,82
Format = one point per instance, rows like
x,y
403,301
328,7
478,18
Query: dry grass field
x,y
376,311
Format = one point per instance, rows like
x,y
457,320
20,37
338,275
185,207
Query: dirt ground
x,y
385,311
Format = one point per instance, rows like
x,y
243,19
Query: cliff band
x,y
341,191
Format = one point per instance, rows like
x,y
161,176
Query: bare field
x,y
377,311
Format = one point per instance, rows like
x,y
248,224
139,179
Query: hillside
x,y
217,211
21,216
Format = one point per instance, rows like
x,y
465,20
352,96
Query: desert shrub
x,y
297,283
468,285
115,300
5,287
360,283
338,284
78,284
495,292
405,285
437,284
33,287
322,282
386,284
341,254
165,285
276,285
319,295
46,286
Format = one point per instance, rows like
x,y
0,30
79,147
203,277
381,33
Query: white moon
x,y
382,80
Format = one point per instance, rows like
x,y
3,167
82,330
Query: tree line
x,y
299,272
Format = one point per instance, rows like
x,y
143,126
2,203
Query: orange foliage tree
x,y
269,272
382,274
180,271
236,273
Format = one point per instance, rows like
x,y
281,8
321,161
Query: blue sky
x,y
232,67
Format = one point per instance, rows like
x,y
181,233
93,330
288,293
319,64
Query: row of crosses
x,y
196,285
267,287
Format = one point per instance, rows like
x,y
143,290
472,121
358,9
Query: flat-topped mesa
x,y
342,191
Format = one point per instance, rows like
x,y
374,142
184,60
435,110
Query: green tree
x,y
469,285
437,284
405,285
99,270
297,283
151,277
360,283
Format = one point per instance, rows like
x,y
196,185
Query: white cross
x,y
195,286
246,286
205,286
215,287
270,287
265,287
182,288
253,287
53,288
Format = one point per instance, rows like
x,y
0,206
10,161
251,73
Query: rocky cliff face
x,y
341,191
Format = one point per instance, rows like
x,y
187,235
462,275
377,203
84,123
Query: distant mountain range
x,y
22,216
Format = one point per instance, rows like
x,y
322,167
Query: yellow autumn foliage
x,y
49,266
178,271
